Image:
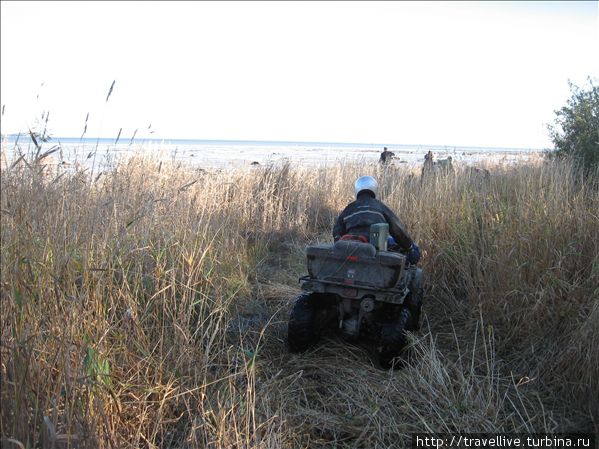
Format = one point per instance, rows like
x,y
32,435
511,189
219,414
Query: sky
x,y
439,73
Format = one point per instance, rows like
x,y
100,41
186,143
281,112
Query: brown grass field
x,y
148,307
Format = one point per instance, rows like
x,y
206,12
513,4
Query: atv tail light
x,y
352,258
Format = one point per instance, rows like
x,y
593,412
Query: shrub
x,y
575,132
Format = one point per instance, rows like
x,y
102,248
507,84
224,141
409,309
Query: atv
x,y
362,289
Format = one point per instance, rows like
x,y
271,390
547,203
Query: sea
x,y
104,153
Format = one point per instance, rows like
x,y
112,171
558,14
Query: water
x,y
104,153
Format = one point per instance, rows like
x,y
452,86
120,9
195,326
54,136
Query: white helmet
x,y
366,183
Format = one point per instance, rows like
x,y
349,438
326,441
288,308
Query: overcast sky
x,y
464,73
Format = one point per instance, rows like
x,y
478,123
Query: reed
x,y
147,307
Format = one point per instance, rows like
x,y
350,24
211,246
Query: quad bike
x,y
360,288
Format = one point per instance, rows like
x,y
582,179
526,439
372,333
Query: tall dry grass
x,y
147,307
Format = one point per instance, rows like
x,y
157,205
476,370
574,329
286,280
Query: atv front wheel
x,y
303,330
393,338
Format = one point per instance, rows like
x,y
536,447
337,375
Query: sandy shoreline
x,y
229,155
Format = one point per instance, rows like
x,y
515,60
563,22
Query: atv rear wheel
x,y
414,300
393,338
303,330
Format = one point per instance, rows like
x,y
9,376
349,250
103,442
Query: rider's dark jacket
x,y
366,210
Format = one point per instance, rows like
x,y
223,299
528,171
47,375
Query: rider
x,y
386,156
366,210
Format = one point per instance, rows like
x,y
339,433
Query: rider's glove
x,y
413,255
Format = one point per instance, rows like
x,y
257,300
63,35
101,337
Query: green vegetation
x,y
147,307
575,133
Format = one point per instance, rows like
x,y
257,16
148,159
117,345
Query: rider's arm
x,y
339,229
398,230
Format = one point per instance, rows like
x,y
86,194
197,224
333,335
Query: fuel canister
x,y
379,232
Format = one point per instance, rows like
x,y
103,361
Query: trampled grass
x,y
147,307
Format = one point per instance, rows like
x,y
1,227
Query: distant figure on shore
x,y
438,167
386,156
445,165
428,163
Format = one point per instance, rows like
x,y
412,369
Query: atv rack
x,y
356,290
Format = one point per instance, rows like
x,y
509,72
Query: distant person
x,y
445,165
428,163
386,156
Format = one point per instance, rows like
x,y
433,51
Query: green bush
x,y
575,133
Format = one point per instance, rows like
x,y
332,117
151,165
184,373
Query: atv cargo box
x,y
355,263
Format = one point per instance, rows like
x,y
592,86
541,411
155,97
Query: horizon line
x,y
382,145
